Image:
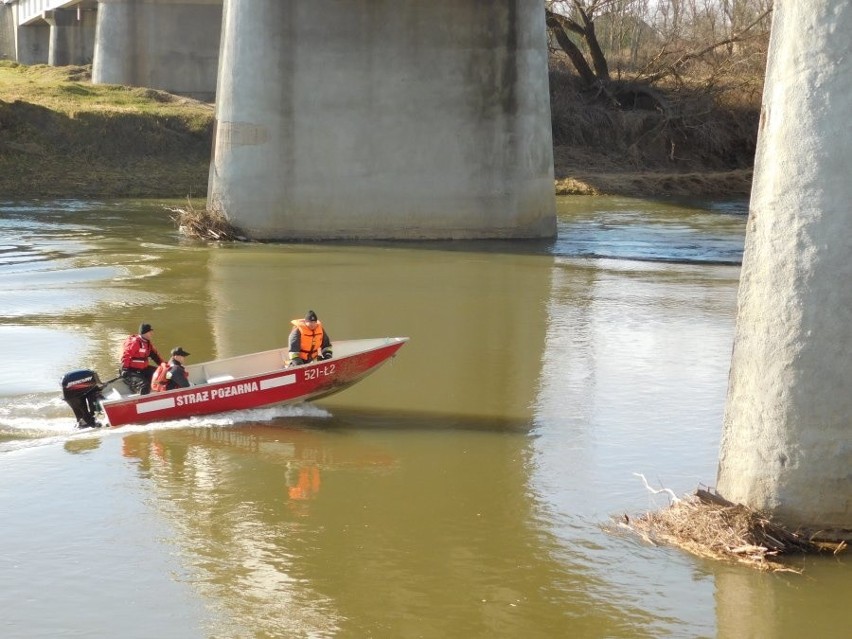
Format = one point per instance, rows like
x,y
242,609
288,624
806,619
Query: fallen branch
x,y
668,491
205,224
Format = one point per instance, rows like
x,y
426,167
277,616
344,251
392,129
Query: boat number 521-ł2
x,y
320,371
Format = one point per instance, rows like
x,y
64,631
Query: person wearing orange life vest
x,y
170,375
135,370
308,340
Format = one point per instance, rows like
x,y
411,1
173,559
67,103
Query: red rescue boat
x,y
250,381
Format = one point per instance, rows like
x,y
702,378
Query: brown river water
x,y
471,487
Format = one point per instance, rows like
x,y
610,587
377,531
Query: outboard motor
x,y
82,390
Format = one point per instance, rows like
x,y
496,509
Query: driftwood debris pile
x,y
709,526
204,224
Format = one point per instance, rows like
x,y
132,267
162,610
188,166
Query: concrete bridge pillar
x,y
787,440
397,119
161,44
72,36
7,32
33,43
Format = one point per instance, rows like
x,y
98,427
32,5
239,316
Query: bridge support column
x,y
72,36
397,119
161,44
33,43
8,25
787,440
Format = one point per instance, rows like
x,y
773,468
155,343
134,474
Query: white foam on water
x,y
36,414
237,417
33,422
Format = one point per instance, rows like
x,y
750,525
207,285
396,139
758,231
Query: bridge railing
x,y
30,9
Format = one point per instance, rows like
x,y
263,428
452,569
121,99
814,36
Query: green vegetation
x,y
62,136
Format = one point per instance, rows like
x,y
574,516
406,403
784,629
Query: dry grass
x,y
205,224
708,526
667,129
570,181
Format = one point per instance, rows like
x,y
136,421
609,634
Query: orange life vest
x,y
310,340
160,380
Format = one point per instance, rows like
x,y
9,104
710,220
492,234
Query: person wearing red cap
x,y
135,370
308,340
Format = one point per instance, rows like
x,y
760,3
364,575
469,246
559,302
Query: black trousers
x,y
139,380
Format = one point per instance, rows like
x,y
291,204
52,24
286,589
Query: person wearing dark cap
x,y
135,370
308,340
170,375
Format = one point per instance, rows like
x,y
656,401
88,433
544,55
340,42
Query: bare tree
x,y
656,39
666,64
580,22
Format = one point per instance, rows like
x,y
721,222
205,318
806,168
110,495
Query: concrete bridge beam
x,y
395,119
162,44
787,440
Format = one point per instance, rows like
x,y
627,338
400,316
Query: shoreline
x,y
719,184
186,179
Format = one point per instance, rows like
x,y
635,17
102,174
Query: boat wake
x,y
34,421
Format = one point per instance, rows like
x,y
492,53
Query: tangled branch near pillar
x,y
205,224
707,525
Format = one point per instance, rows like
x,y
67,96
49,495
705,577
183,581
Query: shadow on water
x,y
347,419
673,230
81,446
508,247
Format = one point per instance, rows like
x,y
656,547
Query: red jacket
x,y
136,352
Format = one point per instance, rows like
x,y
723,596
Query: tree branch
x,y
675,66
558,25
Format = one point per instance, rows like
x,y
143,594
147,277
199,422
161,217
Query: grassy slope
x,y
61,136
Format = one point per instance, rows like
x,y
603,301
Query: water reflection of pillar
x,y
476,319
754,604
455,529
428,529
746,605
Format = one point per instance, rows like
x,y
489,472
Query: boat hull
x,y
282,385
